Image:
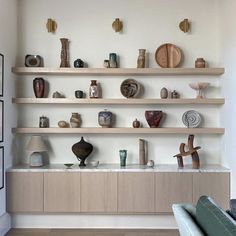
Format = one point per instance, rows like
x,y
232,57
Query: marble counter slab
x,y
117,168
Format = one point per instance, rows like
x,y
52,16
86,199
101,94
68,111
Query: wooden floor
x,y
90,232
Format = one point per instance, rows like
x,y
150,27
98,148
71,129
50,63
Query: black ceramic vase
x,y
39,86
82,149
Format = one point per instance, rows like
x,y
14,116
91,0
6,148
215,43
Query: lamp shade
x,y
36,144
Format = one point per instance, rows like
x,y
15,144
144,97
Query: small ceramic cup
x,y
79,94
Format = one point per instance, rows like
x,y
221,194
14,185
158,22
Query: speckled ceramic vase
x,y
153,118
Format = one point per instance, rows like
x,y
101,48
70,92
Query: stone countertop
x,y
117,168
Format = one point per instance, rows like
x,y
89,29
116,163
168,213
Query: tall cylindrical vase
x,y
142,159
64,52
39,86
141,58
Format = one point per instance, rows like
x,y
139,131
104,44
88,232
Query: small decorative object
x,y
62,124
39,86
141,58
164,93
113,60
82,150
130,88
75,120
106,64
68,165
51,25
64,52
123,156
184,25
174,94
199,88
43,122
168,56
37,146
136,123
105,119
56,95
153,118
79,94
191,151
78,63
94,163
117,25
200,63
142,153
191,119
33,61
94,89
150,164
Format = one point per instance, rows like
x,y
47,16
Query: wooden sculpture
x,y
192,151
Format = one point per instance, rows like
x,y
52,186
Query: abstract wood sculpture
x,y
192,151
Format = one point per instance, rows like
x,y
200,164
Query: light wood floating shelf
x,y
117,101
116,71
99,130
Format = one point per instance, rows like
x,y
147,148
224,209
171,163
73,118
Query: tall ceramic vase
x,y
82,149
153,118
39,86
64,52
141,58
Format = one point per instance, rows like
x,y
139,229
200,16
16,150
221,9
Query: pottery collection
x,y
82,150
75,120
39,87
105,119
141,58
153,118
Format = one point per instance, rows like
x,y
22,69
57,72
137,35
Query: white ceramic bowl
x,y
94,163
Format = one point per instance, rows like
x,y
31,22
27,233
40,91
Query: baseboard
x,y
5,224
94,221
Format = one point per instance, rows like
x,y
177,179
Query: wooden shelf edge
x,y
98,130
116,71
118,101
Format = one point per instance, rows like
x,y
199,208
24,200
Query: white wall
x,y
8,39
227,40
88,26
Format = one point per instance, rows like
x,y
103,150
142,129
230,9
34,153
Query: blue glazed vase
x,y
123,155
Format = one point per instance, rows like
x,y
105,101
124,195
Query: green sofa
x,y
206,218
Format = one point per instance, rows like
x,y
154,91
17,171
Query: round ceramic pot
x,y
153,118
75,120
105,119
200,63
82,150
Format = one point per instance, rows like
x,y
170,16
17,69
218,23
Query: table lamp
x,y
36,145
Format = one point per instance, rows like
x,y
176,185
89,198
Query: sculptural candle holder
x,y
64,52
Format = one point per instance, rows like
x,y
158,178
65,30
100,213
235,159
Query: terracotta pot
x,y
153,118
82,150
39,87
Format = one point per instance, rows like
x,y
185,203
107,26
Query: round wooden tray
x,y
168,55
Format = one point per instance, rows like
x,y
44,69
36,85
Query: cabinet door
x,y
172,188
98,192
214,185
136,192
24,192
62,192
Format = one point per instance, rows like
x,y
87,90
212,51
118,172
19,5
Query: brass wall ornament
x,y
184,25
51,25
117,25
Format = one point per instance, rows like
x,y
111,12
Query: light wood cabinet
x,y
172,188
136,192
98,192
215,185
24,192
62,192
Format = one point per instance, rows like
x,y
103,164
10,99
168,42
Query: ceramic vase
x,y
136,124
113,60
200,63
75,120
82,150
153,118
105,119
141,58
64,52
164,93
123,156
94,89
39,87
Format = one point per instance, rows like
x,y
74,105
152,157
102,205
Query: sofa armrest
x,y
184,216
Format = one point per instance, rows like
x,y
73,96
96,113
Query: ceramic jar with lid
x,y
200,63
105,119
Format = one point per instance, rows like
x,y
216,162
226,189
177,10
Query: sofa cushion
x,y
233,208
213,220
